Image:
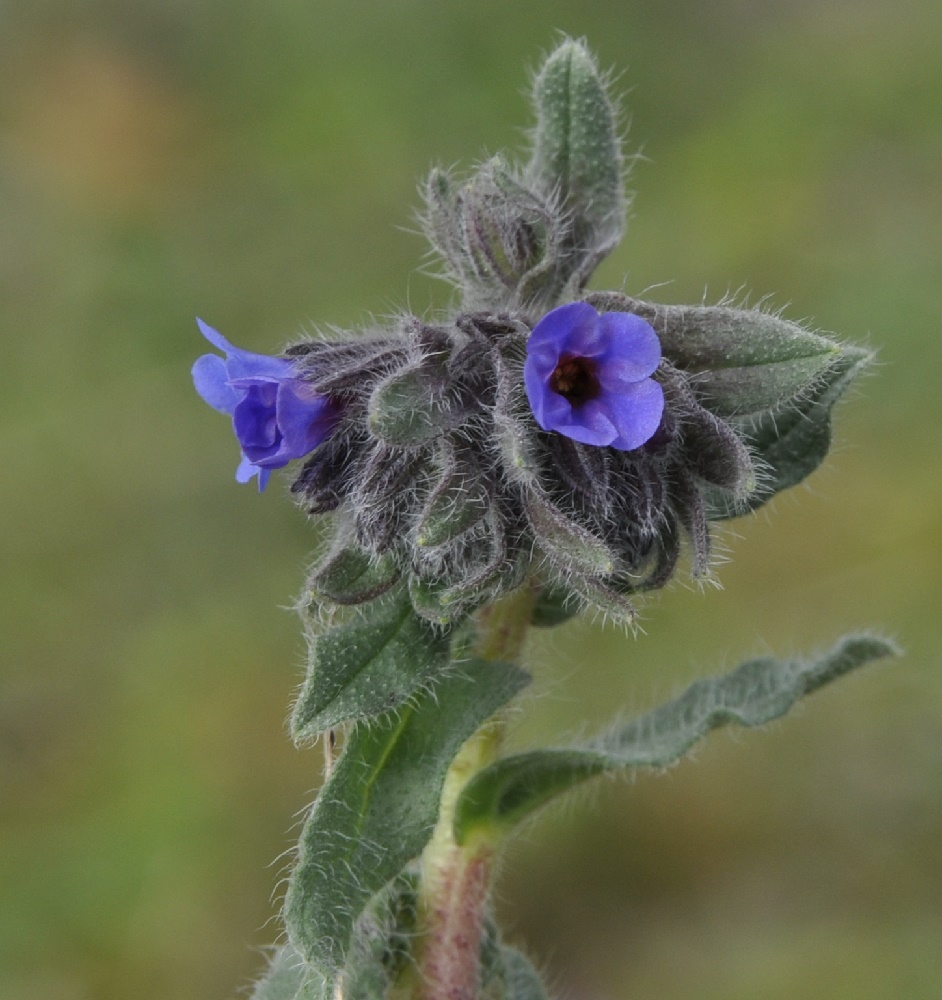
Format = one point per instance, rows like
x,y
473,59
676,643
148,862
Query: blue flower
x,y
276,416
587,376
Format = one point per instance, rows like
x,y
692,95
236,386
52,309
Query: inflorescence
x,y
541,433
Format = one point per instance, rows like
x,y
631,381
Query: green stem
x,y
455,881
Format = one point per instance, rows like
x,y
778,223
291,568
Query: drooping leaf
x,y
368,665
377,811
760,690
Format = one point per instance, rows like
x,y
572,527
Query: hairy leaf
x,y
369,665
380,947
742,361
576,152
410,408
521,980
457,502
757,692
794,441
554,605
377,811
350,575
289,977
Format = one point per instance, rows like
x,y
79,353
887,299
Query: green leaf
x,y
457,502
350,575
521,980
378,810
759,691
368,665
289,977
382,938
793,443
604,597
576,152
505,973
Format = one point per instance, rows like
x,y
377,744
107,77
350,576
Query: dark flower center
x,y
575,379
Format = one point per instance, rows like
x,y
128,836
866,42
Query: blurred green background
x,y
256,164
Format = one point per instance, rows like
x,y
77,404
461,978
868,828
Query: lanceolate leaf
x,y
576,152
757,692
794,441
377,811
368,665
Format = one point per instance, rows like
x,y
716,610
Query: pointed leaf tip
x,y
576,152
369,665
759,691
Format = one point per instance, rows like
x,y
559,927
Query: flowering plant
x,y
541,450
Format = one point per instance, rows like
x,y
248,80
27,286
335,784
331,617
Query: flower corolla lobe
x,y
587,376
276,416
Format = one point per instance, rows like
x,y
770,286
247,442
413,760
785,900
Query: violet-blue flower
x,y
276,416
587,376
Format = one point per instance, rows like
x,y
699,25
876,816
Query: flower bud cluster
x,y
439,473
495,234
541,433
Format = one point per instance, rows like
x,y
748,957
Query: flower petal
x,y
212,383
215,337
543,401
305,419
246,471
255,424
633,350
246,364
590,423
636,413
543,358
571,328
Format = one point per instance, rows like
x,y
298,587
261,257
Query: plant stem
x,y
455,880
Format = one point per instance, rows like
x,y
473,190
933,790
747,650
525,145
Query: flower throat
x,y
575,379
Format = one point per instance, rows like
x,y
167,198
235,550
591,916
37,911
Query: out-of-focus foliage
x,y
256,165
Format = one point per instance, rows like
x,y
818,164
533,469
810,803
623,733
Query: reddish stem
x,y
450,960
